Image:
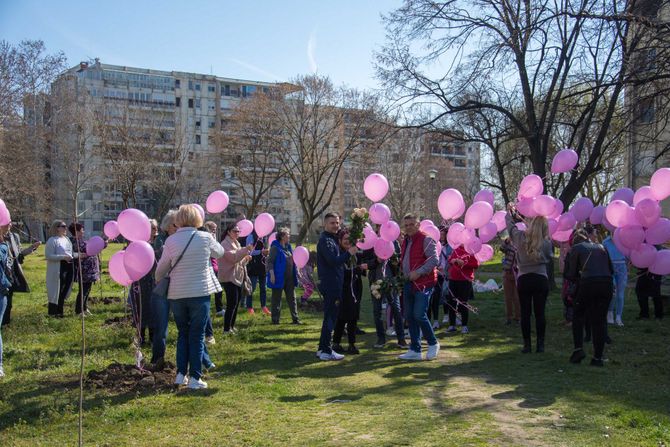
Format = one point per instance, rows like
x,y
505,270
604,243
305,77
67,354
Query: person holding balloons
x,y
59,255
186,258
232,273
533,252
620,264
282,275
462,266
90,268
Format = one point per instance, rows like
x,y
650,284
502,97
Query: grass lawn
x,y
269,389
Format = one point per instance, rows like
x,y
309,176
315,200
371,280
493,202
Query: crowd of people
x,y
434,276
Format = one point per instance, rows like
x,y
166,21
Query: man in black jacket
x,y
256,270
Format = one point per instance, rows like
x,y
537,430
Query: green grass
x,y
268,388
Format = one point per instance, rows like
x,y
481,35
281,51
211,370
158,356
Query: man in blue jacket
x,y
330,262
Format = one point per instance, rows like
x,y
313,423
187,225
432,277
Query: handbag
x,y
161,288
246,285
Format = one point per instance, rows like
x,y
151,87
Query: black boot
x,y
540,345
577,356
526,346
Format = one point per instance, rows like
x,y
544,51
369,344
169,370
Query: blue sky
x,y
258,40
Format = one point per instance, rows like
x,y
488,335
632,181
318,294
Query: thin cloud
x,y
311,52
256,69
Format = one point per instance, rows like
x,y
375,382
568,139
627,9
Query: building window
x,y
177,83
211,88
647,110
197,87
190,84
197,103
211,124
197,124
197,139
177,101
226,90
190,103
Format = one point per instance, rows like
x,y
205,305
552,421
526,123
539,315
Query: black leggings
x,y
533,289
592,301
84,290
461,291
233,298
435,298
66,275
339,330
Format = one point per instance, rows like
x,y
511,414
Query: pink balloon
x,y
499,219
451,204
625,194
564,161
473,246
467,235
5,217
531,186
659,233
300,256
217,202
632,236
484,195
661,265
433,232
264,224
562,236
648,211
544,205
383,249
558,209
478,215
582,209
597,214
552,225
424,223
606,223
376,187
138,259
379,213
616,237
246,227
660,184
390,231
272,238
488,232
94,246
366,244
525,207
617,213
454,234
134,225
643,256
200,210
369,233
117,271
566,222
111,229
485,253
521,226
644,192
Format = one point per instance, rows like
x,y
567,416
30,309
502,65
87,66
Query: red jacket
x,y
416,259
465,272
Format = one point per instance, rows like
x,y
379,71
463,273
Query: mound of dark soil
x,y
120,378
105,300
118,321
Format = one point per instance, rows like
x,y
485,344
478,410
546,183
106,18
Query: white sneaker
x,y
210,340
410,355
318,353
196,384
332,356
432,351
181,379
436,324
220,313
610,317
619,322
390,332
445,320
464,330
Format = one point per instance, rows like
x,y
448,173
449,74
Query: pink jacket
x,y
232,264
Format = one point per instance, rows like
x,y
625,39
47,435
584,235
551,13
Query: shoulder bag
x,y
161,289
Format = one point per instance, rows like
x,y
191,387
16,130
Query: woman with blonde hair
x,y
60,270
185,260
534,251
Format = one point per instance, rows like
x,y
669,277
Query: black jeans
x,y
218,301
66,275
533,289
435,299
233,297
643,292
461,290
8,309
339,330
592,302
85,291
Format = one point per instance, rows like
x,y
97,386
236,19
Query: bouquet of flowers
x,y
388,286
358,218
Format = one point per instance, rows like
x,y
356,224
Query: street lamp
x,y
432,174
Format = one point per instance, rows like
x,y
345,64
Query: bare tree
x,y
532,59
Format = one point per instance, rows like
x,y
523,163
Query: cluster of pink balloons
x,y
5,217
138,258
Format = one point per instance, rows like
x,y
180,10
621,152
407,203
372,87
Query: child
x,y
509,281
462,266
306,278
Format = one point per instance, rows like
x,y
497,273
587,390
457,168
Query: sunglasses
x,y
62,226
235,231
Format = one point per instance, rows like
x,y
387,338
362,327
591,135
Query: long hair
x,y
535,236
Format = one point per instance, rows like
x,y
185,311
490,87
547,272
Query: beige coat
x,y
232,266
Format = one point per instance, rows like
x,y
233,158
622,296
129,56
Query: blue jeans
x,y
394,302
3,306
620,281
160,309
190,315
331,308
261,287
416,308
209,328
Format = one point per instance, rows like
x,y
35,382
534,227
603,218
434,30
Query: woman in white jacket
x,y
60,272
192,281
